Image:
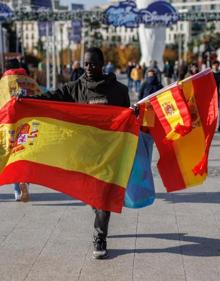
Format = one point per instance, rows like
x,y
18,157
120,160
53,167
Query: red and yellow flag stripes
x,y
15,82
86,151
183,163
201,96
170,107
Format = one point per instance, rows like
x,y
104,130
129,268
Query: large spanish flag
x,y
183,162
86,151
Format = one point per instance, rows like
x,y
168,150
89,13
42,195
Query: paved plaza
x,y
176,239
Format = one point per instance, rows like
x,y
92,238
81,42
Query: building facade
x,y
183,32
180,33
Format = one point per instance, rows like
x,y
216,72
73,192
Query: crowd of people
x,y
143,81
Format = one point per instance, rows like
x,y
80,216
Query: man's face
x,y
92,65
150,74
215,66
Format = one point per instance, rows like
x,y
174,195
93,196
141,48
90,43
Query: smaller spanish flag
x,y
171,109
184,162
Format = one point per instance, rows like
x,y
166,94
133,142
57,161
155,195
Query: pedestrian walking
x,y
150,85
109,68
13,67
154,65
193,69
137,76
128,71
168,72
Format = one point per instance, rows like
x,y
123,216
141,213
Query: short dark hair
x,y
216,62
12,64
152,70
98,52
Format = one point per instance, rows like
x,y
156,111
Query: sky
x,y
87,3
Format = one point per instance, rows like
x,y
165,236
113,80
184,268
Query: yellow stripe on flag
x,y
190,149
149,115
12,85
92,151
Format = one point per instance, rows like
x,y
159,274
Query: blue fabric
x,y
17,188
140,191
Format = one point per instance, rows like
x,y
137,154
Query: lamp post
x,y
61,47
82,49
180,48
54,55
2,47
47,55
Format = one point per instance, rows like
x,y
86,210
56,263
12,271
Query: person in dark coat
x,y
150,85
128,71
77,71
168,72
93,86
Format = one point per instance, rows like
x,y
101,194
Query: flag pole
x,y
157,93
174,84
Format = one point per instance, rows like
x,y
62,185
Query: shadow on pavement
x,y
48,196
198,247
60,204
198,197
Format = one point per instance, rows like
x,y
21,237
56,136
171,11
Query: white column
x,y
152,40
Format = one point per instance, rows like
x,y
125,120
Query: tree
x,y
170,53
121,55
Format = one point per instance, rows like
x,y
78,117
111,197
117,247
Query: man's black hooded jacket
x,y
107,90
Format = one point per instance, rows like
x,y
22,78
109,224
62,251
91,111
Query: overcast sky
x,y
87,3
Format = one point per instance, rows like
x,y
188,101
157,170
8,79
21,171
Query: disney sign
x,y
126,13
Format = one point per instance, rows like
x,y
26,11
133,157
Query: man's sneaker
x,y
24,192
17,196
100,250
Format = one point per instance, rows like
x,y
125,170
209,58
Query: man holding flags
x,y
95,88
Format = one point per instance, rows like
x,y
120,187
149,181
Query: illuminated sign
x,y
126,13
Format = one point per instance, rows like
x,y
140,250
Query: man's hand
x,y
135,107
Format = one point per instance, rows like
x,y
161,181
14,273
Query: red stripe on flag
x,y
167,165
159,112
169,169
90,190
186,127
100,116
181,105
205,92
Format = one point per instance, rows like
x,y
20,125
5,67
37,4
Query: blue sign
x,y
75,7
41,4
126,13
75,32
42,28
5,12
